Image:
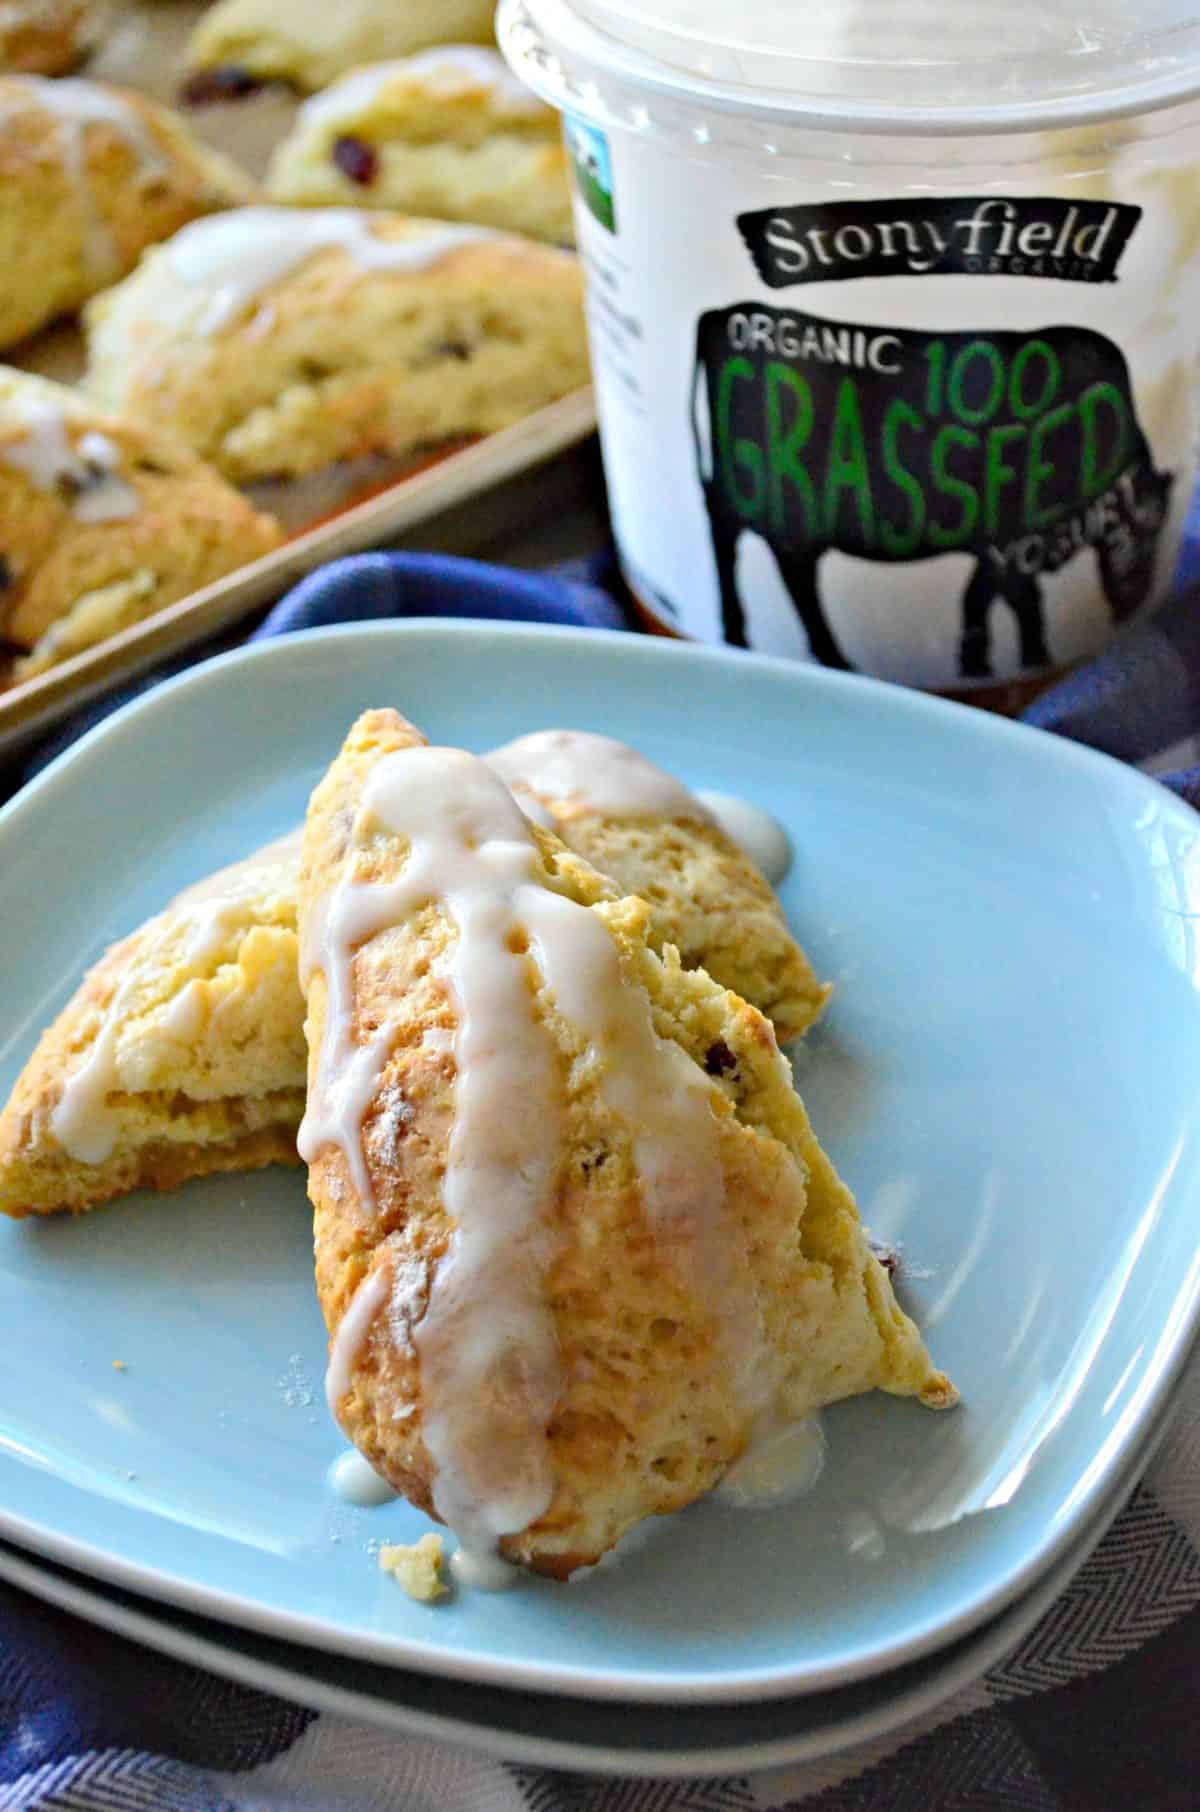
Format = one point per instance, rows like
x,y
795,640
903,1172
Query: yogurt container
x,y
894,315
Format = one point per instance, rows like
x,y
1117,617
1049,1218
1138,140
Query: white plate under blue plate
x,y
565,1732
1009,1077
560,1732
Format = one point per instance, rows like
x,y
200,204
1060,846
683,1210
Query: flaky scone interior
x,y
182,1053
576,1241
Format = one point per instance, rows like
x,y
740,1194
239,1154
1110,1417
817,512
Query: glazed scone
x,y
576,1241
47,37
450,133
643,829
310,43
89,176
276,341
266,890
181,1054
103,521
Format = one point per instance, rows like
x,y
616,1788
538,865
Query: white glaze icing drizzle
x,y
449,69
76,105
596,774
88,469
225,261
352,1330
214,904
754,831
663,1097
82,1121
490,1367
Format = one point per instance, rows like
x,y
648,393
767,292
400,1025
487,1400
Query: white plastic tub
x,y
894,314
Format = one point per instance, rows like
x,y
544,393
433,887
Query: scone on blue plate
x,y
103,521
450,133
568,1272
181,1054
309,43
89,176
47,37
276,341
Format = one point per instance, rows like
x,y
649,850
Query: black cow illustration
x,y
1021,450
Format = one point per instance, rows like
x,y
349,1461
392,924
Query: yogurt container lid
x,y
923,66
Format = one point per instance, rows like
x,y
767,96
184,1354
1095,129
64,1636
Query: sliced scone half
x,y
642,828
310,43
181,1054
576,1241
90,175
103,521
276,341
450,133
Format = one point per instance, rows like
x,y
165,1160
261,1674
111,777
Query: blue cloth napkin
x,y
93,1722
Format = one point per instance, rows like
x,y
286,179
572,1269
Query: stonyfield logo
x,y
962,235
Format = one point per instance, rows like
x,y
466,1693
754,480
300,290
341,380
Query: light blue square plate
x,y
1009,1078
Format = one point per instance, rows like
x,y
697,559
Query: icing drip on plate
x,y
762,837
225,261
355,1481
584,773
595,774
783,1462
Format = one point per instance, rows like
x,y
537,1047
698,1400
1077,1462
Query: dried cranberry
x,y
719,1059
356,159
228,82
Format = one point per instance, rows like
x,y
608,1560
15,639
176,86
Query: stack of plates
x,y
1009,1078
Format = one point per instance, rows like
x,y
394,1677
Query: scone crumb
x,y
418,1568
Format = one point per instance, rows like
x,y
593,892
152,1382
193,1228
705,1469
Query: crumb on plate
x,y
418,1568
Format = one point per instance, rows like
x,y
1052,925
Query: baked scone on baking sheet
x,y
276,341
47,37
576,1241
181,1054
103,521
643,829
309,43
89,176
450,133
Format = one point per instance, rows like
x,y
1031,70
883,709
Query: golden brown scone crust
x,y
71,582
311,42
79,203
647,1419
209,1059
47,37
709,900
335,361
449,134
